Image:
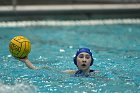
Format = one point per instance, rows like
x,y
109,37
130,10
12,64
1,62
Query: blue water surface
x,y
116,49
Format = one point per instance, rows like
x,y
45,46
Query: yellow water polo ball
x,y
20,47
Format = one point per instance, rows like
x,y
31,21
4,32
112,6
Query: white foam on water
x,y
17,88
68,22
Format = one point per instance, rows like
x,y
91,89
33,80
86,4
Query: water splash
x,y
17,88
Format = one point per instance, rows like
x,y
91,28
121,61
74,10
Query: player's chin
x,y
84,67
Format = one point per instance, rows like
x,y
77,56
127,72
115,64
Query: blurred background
x,y
88,7
46,2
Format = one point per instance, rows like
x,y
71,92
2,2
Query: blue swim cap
x,y
83,50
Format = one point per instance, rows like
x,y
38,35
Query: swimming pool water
x,y
116,49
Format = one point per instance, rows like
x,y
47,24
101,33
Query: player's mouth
x,y
83,65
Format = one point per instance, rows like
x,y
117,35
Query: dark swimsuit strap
x,y
78,72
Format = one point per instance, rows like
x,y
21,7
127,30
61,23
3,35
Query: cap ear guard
x,y
92,60
75,62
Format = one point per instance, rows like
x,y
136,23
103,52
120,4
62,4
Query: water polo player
x,y
83,60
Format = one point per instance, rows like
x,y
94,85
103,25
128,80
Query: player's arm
x,y
69,71
28,63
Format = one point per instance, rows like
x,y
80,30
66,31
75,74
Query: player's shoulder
x,y
69,71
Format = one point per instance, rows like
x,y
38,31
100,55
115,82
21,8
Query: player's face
x,y
83,61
